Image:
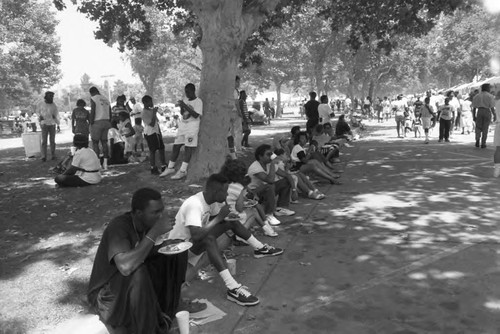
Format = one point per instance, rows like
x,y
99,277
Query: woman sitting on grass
x,y
239,198
303,162
84,169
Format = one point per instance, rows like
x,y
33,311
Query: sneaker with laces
x,y
268,230
167,172
283,212
267,251
242,296
271,220
179,175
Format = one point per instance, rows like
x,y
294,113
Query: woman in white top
x,y
301,160
84,169
241,201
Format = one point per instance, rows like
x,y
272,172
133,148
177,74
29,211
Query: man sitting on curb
x,y
202,219
132,287
263,175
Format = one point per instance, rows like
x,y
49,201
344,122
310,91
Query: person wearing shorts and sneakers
x,y
202,218
153,135
100,123
187,134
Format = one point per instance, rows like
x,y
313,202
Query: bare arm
x,y
199,233
189,109
92,112
268,178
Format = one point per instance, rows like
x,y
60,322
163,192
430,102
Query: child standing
x,y
126,131
153,135
139,135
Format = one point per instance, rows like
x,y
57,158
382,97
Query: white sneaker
x,y
179,175
167,171
271,220
496,172
268,230
283,212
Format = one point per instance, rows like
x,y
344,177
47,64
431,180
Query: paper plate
x,y
249,203
175,248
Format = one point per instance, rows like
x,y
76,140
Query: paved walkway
x,y
408,244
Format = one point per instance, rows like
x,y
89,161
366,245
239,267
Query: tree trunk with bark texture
x,y
225,28
278,100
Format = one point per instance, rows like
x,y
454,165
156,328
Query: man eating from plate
x,y
132,287
201,219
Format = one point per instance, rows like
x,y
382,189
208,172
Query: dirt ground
x,y
408,244
49,235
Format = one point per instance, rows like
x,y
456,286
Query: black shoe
x,y
242,296
477,143
43,159
267,251
483,146
155,171
162,169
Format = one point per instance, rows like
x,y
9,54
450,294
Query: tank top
x,y
101,107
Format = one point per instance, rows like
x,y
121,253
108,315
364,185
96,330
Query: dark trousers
x,y
140,301
444,129
311,124
483,119
48,131
244,140
267,196
70,181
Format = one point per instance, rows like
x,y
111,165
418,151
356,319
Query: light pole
x,y
109,89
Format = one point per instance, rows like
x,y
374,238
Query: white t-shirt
x,y
87,159
147,118
49,113
136,110
455,103
115,135
324,112
400,107
295,151
254,169
193,212
446,112
191,125
466,105
102,106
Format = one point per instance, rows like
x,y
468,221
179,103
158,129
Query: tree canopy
x,y
29,52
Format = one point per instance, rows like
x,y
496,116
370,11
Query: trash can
x,y
32,142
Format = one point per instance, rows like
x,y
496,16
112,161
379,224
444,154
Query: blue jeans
x,y
48,131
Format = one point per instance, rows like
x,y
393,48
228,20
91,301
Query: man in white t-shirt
x,y
100,122
202,218
49,119
400,107
263,183
153,135
324,110
187,133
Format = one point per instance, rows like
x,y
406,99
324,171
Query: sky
x,y
82,53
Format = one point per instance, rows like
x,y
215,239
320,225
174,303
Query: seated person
x,y
132,287
330,150
84,169
343,130
300,181
202,218
302,161
263,183
116,145
237,194
286,142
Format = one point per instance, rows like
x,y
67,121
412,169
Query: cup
x,y
183,321
231,266
73,150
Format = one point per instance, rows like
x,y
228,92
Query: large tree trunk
x,y
225,28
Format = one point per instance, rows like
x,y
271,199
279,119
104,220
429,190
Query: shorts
x,y
99,130
426,122
155,142
400,119
496,138
187,139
